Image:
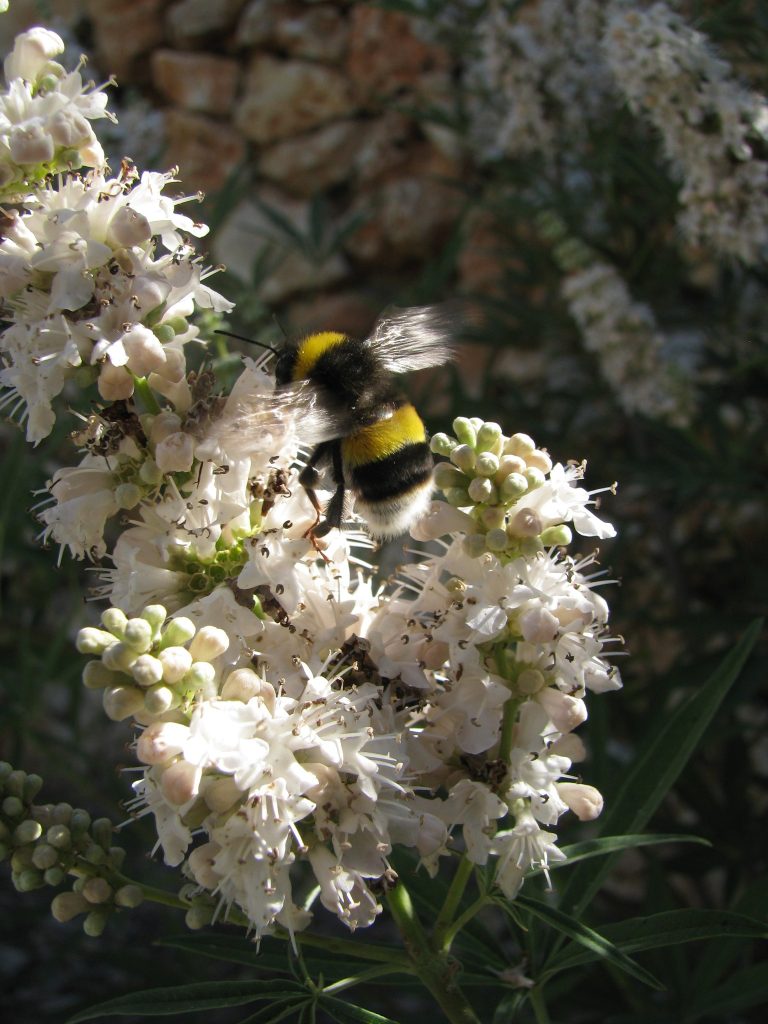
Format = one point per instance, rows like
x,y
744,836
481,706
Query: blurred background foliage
x,y
362,176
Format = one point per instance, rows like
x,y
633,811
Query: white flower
x,y
521,848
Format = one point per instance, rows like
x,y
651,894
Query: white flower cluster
x,y
533,73
633,353
44,116
290,713
713,130
97,272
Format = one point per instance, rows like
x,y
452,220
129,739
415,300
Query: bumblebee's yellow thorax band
x,y
311,348
384,437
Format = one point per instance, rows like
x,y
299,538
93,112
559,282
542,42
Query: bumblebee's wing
x,y
414,338
257,417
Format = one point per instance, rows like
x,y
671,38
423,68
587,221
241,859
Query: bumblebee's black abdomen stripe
x,y
405,469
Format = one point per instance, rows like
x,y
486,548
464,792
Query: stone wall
x,y
302,118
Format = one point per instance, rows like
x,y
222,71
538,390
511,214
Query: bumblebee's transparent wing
x,y
414,338
258,416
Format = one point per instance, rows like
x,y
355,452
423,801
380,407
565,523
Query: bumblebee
x,y
360,427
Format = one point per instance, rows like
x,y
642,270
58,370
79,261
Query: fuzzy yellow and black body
x,y
378,456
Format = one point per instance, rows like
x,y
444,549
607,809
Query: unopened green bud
x,y
164,333
150,473
80,822
177,324
66,905
115,621
138,635
474,545
13,807
492,517
96,675
119,657
32,786
129,896
464,431
121,702
447,475
198,917
155,614
94,855
464,457
101,830
14,784
62,814
530,681
95,923
487,464
29,880
201,677
28,831
44,856
5,771
93,641
496,539
116,857
556,536
442,444
458,497
128,495
147,670
513,486
97,890
489,438
160,698
59,837
178,632
54,876
21,858
482,490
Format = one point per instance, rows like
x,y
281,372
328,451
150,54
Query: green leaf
x,y
657,767
207,995
605,845
277,1011
666,929
231,948
592,940
342,1011
743,990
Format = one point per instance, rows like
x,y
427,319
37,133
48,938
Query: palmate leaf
x,y
207,995
600,947
657,767
666,929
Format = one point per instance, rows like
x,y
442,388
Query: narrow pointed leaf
x,y
283,1009
744,990
657,767
666,929
208,995
587,937
230,948
349,1012
606,845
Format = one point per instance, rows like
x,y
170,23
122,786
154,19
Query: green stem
x,y
508,723
434,968
452,900
536,996
144,395
359,979
451,933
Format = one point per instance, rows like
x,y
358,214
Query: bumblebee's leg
x,y
309,478
334,510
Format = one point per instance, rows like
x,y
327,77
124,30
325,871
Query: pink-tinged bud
x,y
122,701
565,712
525,523
221,794
571,746
115,383
200,863
161,741
67,905
163,425
586,802
243,684
208,643
180,782
177,661
174,369
175,453
97,890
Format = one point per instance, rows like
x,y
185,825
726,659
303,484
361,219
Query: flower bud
x,y
155,615
97,890
114,620
115,383
44,856
465,431
96,676
150,473
30,143
179,783
458,497
66,905
145,353
243,684
538,625
129,896
208,643
564,711
200,863
442,444
138,635
482,490
525,523
496,539
127,228
163,425
201,679
556,536
175,453
519,444
221,794
122,702
59,837
161,741
13,807
474,545
28,831
179,631
530,681
119,657
539,459
489,438
447,475
160,698
464,457
91,640
534,477
128,496
487,464
586,802
199,916
513,486
147,670
95,923
176,662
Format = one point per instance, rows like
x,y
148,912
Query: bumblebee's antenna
x,y
251,341
279,326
